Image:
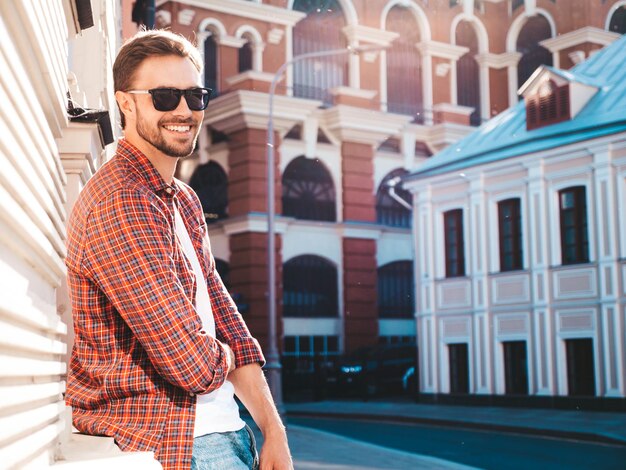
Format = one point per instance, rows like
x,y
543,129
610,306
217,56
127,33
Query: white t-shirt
x,y
216,411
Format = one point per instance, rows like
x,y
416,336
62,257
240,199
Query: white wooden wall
x,y
44,162
33,65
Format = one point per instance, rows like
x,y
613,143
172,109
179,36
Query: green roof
x,y
505,136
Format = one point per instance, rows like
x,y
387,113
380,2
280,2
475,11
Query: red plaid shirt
x,y
140,354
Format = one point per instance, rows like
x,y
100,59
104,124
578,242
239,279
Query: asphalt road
x,y
478,448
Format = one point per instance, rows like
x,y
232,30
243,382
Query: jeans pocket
x,y
253,449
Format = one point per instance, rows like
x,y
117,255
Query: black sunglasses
x,y
167,99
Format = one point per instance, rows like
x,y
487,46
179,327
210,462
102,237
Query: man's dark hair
x,y
142,46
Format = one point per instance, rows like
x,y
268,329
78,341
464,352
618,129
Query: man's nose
x,y
182,108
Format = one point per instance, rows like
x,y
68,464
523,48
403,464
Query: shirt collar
x,y
144,167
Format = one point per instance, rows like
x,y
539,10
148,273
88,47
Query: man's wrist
x,y
230,357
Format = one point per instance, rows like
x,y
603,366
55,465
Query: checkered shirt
x,y
140,355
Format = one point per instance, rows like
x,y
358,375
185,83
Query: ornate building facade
x,y
346,125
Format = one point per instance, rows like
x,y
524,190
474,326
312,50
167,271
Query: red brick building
x,y
345,125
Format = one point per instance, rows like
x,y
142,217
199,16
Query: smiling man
x,y
160,349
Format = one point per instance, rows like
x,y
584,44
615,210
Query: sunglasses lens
x,y
165,99
197,99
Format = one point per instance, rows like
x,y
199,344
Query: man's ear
x,y
126,104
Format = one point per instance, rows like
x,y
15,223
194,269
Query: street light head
x,y
393,182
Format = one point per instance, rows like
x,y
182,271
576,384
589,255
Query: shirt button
x,y
202,332
191,394
168,190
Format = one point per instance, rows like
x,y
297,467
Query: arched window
x,y
533,54
321,30
245,56
467,74
396,297
211,184
309,287
389,211
404,66
308,191
211,64
618,21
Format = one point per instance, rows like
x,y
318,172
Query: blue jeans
x,y
234,450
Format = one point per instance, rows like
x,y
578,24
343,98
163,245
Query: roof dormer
x,y
553,95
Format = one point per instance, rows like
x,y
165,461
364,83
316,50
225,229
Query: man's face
x,y
173,133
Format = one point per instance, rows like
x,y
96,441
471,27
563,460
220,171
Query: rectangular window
x,y
455,251
510,234
573,214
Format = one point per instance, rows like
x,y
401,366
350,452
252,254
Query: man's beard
x,y
154,136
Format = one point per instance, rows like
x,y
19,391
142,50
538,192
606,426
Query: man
x,y
159,344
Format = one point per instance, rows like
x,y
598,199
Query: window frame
x,y
517,243
395,281
454,265
579,224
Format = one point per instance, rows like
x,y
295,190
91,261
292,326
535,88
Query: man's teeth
x,y
178,128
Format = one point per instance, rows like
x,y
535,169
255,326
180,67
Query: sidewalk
x,y
583,425
317,450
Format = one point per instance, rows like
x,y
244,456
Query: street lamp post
x,y
273,365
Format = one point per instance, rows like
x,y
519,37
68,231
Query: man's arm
x,y
252,389
129,256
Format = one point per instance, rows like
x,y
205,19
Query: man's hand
x,y
275,453
251,388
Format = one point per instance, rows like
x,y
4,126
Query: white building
x,y
520,241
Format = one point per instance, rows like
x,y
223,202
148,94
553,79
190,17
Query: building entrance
x,y
580,367
459,368
515,367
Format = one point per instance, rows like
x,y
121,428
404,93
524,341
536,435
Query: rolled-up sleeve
x,y
129,255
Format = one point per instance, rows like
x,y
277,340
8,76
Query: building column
x,y
542,352
359,254
479,262
427,328
611,345
248,240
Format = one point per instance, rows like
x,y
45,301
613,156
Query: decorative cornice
x,y
580,36
366,126
453,108
499,61
355,92
360,230
442,49
245,9
80,149
186,16
231,41
366,34
250,75
275,35
250,223
250,109
439,136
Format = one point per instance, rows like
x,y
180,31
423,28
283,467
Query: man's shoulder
x,y
115,183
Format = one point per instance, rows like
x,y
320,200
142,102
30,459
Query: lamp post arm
x,y
391,190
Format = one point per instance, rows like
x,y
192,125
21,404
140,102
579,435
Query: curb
x,y
535,431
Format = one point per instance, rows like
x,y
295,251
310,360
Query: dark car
x,y
373,370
